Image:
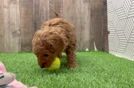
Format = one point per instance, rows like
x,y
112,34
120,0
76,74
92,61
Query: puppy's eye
x,y
45,55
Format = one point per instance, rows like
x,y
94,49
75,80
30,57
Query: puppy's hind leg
x,y
71,58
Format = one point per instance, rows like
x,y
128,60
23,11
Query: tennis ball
x,y
55,64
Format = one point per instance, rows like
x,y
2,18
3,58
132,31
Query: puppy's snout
x,y
41,66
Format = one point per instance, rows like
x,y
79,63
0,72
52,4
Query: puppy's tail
x,y
56,13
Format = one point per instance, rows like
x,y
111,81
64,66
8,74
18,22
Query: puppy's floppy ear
x,y
36,43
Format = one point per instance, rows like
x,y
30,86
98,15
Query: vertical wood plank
x,y
97,24
27,24
14,25
41,12
7,40
55,8
36,13
105,26
85,24
21,18
78,12
71,13
11,33
1,27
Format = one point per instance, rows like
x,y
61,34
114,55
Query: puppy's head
x,y
46,46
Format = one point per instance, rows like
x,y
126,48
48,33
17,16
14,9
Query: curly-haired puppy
x,y
55,36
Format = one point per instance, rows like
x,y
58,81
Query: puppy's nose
x,y
41,65
44,65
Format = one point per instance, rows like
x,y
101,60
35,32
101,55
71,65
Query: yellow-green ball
x,y
55,64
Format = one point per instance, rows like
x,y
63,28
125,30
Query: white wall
x,y
121,27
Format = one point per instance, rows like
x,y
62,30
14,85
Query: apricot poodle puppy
x,y
54,37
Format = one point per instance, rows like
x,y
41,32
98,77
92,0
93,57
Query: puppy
x,y
54,37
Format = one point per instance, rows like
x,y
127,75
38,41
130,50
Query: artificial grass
x,y
95,70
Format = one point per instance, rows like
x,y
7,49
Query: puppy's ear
x,y
36,43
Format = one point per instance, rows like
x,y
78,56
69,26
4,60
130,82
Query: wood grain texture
x,y
1,27
78,12
19,19
14,25
27,24
7,41
41,12
55,8
98,24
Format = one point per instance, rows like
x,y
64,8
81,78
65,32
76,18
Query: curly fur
x,y
54,37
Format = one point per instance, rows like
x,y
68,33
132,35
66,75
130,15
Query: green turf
x,y
95,70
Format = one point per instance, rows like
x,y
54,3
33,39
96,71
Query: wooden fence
x,y
19,19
